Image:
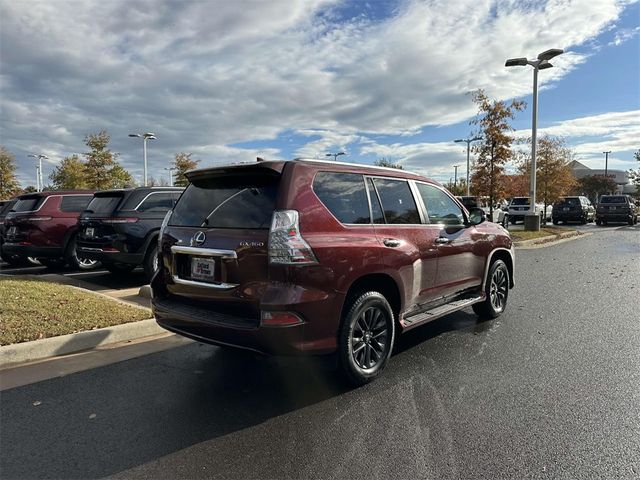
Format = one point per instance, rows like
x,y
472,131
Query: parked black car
x,y
573,209
617,208
5,206
120,227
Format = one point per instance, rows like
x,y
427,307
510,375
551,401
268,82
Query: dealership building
x,y
621,177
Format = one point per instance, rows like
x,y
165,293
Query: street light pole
x,y
39,181
335,155
455,175
171,169
145,137
468,142
606,163
532,220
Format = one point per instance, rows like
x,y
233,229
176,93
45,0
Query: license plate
x,y
566,209
89,232
202,268
12,230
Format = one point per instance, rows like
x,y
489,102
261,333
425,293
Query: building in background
x,y
619,176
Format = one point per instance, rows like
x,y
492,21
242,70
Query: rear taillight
x,y
286,245
119,220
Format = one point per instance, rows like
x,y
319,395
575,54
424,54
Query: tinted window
x,y
441,208
520,201
344,196
75,203
104,204
376,208
5,207
397,201
613,200
27,204
157,202
227,203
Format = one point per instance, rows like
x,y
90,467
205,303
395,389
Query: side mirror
x,y
476,216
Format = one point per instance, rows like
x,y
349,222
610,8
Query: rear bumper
x,y
614,217
569,215
32,251
99,254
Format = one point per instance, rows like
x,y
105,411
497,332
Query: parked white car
x,y
518,208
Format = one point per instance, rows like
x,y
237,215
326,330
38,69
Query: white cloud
x,y
204,75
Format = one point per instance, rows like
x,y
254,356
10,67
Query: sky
x,y
229,81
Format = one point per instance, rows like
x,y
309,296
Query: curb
x,y
76,342
550,240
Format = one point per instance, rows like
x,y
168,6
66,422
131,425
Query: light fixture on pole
x,y
171,169
335,155
144,137
39,182
532,220
468,142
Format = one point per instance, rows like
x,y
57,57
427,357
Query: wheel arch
x,y
379,282
506,256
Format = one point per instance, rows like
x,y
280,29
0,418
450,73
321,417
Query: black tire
x,y
119,268
631,222
598,222
76,262
583,221
555,222
16,260
367,330
496,290
150,263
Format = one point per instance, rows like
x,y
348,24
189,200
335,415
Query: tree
x,y
516,185
459,189
28,189
9,185
554,178
594,185
495,149
70,174
102,170
383,162
183,164
634,175
152,182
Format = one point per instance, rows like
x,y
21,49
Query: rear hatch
x,y
568,206
24,219
215,244
97,222
614,204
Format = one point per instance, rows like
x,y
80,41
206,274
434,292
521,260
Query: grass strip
x,y
33,309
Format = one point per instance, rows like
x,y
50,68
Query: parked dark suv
x,y
120,227
43,225
312,257
573,209
5,206
617,208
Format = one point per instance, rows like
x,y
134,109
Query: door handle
x,y
442,240
391,242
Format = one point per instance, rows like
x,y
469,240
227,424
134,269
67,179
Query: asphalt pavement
x,y
551,389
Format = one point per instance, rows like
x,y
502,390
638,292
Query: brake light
x,y
286,245
119,220
279,319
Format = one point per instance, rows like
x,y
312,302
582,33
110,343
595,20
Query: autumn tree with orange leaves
x,y
494,152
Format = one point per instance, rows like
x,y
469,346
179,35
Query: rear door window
x,y
397,200
441,208
376,208
75,203
344,195
227,202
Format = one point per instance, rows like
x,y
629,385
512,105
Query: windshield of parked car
x,y
613,200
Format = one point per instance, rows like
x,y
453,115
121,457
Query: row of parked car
x,y
82,229
610,209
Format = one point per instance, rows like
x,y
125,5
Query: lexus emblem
x,y
198,239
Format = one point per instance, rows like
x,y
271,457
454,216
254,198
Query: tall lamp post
x,y
144,137
171,169
468,142
606,162
532,220
335,155
39,182
455,175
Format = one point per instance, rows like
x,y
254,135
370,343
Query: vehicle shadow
x,y
110,419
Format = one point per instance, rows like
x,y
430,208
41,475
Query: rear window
x,y
75,203
27,204
157,202
104,204
5,207
520,201
575,202
227,202
613,200
344,195
397,201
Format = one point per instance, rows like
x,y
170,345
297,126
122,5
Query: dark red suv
x,y
312,257
43,225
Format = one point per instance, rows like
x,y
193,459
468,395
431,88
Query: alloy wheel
x,y
369,340
498,289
